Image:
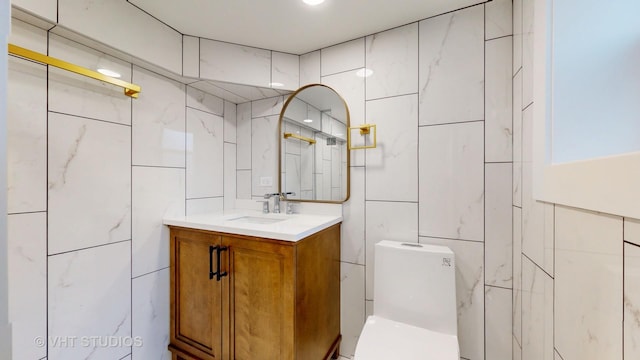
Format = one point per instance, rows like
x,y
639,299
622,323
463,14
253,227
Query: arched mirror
x,y
314,158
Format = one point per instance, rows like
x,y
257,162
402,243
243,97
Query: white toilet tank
x,y
416,284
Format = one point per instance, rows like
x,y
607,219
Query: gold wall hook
x,y
365,129
130,90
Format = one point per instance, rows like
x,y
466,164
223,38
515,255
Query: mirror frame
x,y
280,121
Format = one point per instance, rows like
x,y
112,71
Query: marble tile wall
x,y
575,272
440,93
91,174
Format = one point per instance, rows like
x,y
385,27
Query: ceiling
x,y
292,26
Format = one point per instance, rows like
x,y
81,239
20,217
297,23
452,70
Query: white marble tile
x,y
158,121
267,107
537,313
368,308
452,67
517,274
589,284
342,57
26,136
527,51
205,205
632,230
243,184
352,314
27,269
47,9
157,192
234,63
396,152
27,36
397,221
214,88
537,217
353,224
200,100
517,350
631,302
498,225
498,323
517,140
190,56
352,90
285,70
292,174
243,133
393,57
264,154
230,121
517,35
310,68
95,19
469,257
75,94
307,154
451,181
498,19
89,294
498,101
89,182
150,318
205,157
230,184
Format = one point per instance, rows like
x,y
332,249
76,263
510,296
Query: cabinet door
x,y
196,298
259,300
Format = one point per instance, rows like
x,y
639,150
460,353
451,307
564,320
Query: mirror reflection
x,y
314,158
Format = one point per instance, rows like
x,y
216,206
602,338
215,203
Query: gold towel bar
x,y
130,90
365,129
309,140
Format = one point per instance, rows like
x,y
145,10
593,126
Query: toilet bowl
x,y
414,309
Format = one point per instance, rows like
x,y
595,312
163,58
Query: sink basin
x,y
256,220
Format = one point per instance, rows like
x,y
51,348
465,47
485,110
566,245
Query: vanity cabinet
x,y
249,298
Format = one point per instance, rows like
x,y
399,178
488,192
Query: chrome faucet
x,y
276,199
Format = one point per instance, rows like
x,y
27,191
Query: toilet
x,y
414,309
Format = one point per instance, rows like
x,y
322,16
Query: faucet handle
x,y
283,196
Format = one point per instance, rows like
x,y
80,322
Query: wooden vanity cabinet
x,y
276,300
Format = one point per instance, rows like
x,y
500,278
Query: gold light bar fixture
x,y
309,140
365,129
130,90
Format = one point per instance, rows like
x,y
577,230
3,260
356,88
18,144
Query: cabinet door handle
x,y
211,250
220,274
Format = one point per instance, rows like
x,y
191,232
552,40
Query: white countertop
x,y
293,227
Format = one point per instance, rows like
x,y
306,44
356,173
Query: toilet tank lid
x,y
415,247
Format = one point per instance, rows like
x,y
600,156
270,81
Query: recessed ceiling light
x,y
313,2
109,73
276,84
308,120
364,72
